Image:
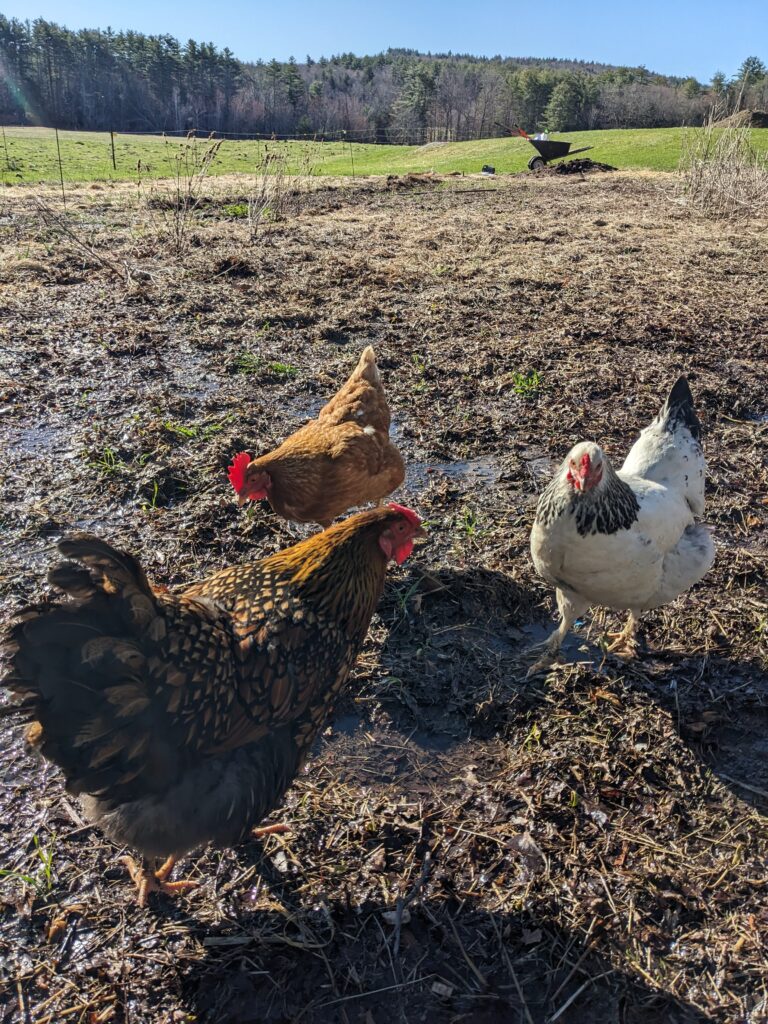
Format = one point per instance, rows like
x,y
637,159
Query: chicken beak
x,y
241,499
420,532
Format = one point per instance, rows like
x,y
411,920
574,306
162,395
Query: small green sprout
x,y
526,385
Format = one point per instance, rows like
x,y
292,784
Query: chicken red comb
x,y
237,470
407,513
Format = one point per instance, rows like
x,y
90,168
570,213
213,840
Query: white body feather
x,y
660,555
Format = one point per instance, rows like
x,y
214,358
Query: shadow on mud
x,y
459,644
454,645
443,963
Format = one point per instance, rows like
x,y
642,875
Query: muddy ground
x,y
465,846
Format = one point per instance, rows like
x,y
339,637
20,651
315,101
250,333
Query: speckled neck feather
x,y
607,508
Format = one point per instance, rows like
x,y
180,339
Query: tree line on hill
x,y
127,81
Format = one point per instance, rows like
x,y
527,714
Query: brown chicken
x,y
341,459
183,718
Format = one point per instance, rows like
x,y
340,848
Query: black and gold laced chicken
x,y
181,719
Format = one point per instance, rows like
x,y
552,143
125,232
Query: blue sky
x,y
680,37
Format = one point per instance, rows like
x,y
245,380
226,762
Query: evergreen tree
x,y
294,83
751,71
564,106
96,79
718,84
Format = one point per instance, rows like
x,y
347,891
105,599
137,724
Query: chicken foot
x,y
269,830
551,649
147,880
571,608
625,642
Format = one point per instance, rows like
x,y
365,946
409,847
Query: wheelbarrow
x,y
548,149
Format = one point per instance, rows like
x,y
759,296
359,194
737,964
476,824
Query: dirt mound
x,y
578,167
751,118
412,180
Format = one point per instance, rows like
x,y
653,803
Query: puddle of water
x,y
192,376
385,754
100,522
542,469
478,472
43,438
12,756
351,727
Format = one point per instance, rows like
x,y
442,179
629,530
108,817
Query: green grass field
x,y
30,154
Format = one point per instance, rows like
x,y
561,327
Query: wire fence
x,y
39,154
387,137
411,136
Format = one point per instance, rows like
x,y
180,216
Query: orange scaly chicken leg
x,y
146,880
270,830
625,641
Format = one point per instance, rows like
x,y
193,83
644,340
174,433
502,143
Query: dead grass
x,y
465,846
722,174
179,196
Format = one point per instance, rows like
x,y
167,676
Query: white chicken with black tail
x,y
627,539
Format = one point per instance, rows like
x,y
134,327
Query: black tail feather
x,y
73,580
118,566
679,408
78,664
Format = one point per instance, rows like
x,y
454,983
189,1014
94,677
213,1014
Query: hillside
x,y
127,81
32,156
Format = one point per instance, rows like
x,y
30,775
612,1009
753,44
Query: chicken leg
x,y
625,642
571,607
148,880
269,830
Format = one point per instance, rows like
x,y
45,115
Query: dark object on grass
x,y
578,167
548,150
487,169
